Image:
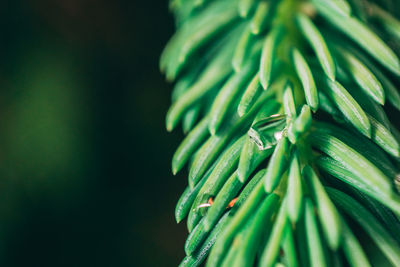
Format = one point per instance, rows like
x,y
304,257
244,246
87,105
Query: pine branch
x,y
288,144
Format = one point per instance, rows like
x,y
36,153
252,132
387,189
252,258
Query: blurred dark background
x,y
84,155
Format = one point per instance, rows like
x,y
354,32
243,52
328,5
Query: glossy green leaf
x,y
390,23
198,38
190,118
381,212
250,95
371,107
327,212
225,166
245,7
314,242
289,104
370,224
242,50
215,73
336,169
327,105
260,19
195,238
294,193
271,250
227,193
341,7
384,138
276,165
365,37
352,249
240,218
351,159
362,76
189,145
196,24
193,219
268,55
307,80
391,92
318,44
227,95
248,189
250,158
304,120
186,200
254,90
213,147
362,145
289,247
348,106
238,241
252,239
197,258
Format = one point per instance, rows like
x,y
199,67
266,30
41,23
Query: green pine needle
x,y
288,144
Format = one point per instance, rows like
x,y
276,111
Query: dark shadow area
x,y
84,154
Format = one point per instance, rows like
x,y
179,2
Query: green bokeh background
x,y
84,155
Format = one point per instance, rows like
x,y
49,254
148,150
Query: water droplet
x,y
268,131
